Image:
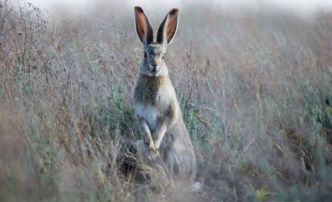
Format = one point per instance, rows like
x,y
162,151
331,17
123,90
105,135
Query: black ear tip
x,y
174,10
138,8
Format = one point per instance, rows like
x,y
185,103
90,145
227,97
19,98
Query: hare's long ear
x,y
168,27
143,26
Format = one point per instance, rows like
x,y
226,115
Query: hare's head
x,y
154,51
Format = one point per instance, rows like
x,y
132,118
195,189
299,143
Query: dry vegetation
x,y
255,90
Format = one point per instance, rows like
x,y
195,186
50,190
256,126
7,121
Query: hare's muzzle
x,y
154,67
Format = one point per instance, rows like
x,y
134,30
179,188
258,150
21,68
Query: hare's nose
x,y
154,67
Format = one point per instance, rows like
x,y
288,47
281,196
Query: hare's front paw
x,y
150,146
154,150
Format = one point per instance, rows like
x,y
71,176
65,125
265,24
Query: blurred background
x,y
305,7
253,79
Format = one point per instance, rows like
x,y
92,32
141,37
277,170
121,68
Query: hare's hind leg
x,y
168,159
182,163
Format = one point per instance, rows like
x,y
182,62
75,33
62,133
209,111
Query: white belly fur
x,y
149,113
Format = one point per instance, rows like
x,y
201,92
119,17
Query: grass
x,y
254,88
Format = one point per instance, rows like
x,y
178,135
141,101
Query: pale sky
x,y
303,7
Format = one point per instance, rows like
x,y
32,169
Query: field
x,y
255,90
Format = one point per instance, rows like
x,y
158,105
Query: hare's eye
x,y
145,55
163,57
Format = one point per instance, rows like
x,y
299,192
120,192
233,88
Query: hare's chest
x,y
154,96
152,110
149,113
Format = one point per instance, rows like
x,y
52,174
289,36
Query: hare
x,y
155,103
